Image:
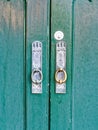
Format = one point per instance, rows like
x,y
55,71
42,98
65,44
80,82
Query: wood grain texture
x,y
85,66
37,29
61,20
11,65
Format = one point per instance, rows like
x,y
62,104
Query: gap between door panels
x,y
49,63
72,58
25,44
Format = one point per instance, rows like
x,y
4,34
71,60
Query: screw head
x,y
58,35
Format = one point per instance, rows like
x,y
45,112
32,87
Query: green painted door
x,y
25,21
85,65
12,74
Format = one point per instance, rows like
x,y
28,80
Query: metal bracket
x,y
60,75
36,75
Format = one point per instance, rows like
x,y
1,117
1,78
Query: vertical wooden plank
x,y
85,65
11,65
61,20
37,29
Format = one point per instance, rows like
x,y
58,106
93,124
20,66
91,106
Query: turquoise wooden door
x,y
25,21
78,108
12,74
85,66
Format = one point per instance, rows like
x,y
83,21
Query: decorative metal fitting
x,y
36,76
60,76
58,35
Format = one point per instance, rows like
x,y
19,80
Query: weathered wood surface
x,y
85,66
11,65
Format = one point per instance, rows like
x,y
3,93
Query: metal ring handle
x,y
36,81
60,81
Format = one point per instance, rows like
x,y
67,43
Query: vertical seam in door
x,y
72,57
25,16
49,116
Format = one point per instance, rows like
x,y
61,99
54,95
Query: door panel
x,y
11,65
37,30
21,109
60,104
85,66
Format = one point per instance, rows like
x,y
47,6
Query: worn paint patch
x,y
11,15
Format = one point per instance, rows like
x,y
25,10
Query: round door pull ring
x,y
60,81
36,76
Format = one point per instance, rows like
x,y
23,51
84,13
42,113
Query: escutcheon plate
x,y
36,75
61,64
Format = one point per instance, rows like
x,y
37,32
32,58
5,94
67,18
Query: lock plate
x,y
36,75
60,75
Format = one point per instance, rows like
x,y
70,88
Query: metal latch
x,y
60,74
